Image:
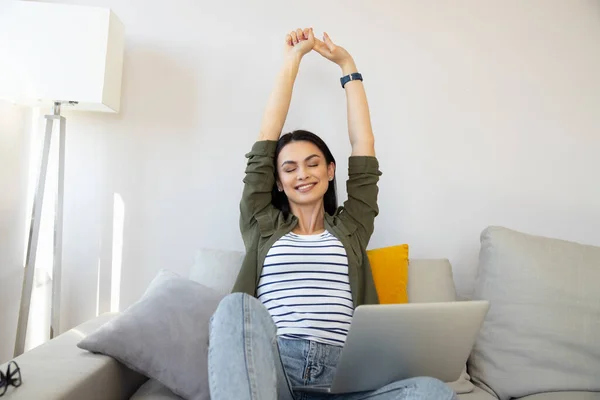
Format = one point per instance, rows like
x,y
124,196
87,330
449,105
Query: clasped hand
x,y
301,41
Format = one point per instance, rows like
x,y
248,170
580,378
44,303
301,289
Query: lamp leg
x,y
32,243
58,231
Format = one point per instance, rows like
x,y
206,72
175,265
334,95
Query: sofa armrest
x,y
58,369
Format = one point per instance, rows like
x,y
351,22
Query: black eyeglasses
x,y
12,377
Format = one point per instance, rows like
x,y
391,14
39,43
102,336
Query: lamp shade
x,y
58,52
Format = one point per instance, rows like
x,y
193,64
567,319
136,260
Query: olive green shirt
x,y
261,224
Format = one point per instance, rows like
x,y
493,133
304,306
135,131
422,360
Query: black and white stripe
x,y
304,284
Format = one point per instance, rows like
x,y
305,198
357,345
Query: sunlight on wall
x,y
35,148
117,251
38,326
98,277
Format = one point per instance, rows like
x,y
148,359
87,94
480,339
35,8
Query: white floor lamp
x,y
57,55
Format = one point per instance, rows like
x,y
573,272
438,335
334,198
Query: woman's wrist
x,y
348,67
293,59
291,66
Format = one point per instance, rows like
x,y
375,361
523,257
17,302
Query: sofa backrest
x,y
429,280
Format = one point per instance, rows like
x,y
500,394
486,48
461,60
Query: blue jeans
x,y
246,361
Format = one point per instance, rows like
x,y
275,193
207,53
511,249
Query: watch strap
x,y
355,76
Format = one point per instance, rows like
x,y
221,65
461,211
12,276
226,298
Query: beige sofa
x,y
59,369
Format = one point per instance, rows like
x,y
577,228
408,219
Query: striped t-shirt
x,y
304,285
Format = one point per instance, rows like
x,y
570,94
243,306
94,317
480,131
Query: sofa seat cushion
x,y
154,390
563,396
477,394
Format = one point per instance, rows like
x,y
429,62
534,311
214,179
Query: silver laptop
x,y
391,342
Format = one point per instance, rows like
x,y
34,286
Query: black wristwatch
x,y
352,77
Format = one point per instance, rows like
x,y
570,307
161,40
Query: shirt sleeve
x,y
361,186
258,183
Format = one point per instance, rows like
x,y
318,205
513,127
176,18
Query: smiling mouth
x,y
305,188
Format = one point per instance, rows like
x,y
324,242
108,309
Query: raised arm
x,y
363,167
297,44
260,177
359,120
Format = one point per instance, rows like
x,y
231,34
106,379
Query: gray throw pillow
x,y
164,335
542,332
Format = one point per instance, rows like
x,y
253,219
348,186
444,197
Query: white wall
x,y
14,146
484,112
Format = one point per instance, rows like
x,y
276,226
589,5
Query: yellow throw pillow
x,y
390,273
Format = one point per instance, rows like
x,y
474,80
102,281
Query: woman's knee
x,y
230,303
232,306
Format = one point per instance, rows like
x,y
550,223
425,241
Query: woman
x,y
306,267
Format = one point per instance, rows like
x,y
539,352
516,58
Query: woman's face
x,y
303,172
